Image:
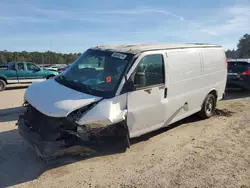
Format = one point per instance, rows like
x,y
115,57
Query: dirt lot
x,y
192,153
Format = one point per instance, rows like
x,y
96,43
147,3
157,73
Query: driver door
x,y
147,104
34,72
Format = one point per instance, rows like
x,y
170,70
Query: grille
x,y
48,127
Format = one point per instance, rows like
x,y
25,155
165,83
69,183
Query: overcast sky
x,y
73,26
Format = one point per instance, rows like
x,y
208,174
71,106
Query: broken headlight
x,y
77,114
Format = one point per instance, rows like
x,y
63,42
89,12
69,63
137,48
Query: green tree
x,y
21,58
232,54
38,57
244,46
2,60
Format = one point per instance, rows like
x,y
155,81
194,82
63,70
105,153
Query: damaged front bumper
x,y
49,149
52,137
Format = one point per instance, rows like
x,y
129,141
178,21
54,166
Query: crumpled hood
x,y
56,100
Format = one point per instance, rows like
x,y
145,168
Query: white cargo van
x,y
125,91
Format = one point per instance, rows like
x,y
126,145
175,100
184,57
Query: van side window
x,y
20,66
153,68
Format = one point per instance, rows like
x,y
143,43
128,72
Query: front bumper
x,y
49,149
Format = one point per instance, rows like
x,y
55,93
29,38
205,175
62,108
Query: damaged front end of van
x,y
70,122
52,137
79,108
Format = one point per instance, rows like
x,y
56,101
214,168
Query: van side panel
x,y
191,74
194,73
184,65
215,70
186,82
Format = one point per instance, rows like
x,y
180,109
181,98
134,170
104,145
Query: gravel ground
x,y
12,97
191,153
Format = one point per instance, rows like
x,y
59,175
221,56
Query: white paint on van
x,y
190,75
56,100
106,112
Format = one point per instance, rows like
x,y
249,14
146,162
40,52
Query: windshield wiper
x,y
83,86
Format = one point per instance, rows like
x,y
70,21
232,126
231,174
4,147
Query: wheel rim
x,y
209,106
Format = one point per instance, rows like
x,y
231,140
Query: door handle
x,y
165,92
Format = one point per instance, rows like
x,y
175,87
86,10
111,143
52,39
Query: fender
x,y
3,77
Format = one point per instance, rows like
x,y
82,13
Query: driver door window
x,y
32,67
34,72
152,66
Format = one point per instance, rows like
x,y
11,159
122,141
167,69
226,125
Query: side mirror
x,y
129,85
140,79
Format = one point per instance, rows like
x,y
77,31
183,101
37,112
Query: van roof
x,y
137,48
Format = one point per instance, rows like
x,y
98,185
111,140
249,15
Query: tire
x,y
120,134
208,107
2,85
123,136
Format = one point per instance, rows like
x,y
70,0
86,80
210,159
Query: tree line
x,y
242,51
243,48
38,57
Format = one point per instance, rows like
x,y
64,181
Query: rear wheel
x,y
208,106
2,85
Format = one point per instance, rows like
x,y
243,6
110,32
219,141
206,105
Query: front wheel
x,y
2,85
208,107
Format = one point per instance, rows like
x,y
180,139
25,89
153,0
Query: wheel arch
x,y
4,79
51,75
214,92
203,113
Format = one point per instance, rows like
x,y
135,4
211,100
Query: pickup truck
x,y
23,72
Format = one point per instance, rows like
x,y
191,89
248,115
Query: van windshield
x,y
96,72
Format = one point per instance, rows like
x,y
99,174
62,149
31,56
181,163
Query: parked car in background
x,y
238,75
3,66
23,72
64,68
122,92
54,67
44,66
